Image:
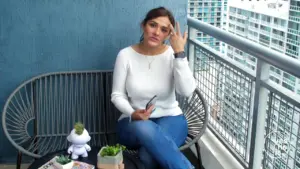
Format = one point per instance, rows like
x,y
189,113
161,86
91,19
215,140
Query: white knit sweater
x,y
134,84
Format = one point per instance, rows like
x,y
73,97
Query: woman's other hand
x,y
142,114
176,39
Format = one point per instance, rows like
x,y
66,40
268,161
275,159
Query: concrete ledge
x,y
214,154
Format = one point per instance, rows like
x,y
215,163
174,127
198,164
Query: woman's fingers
x,y
185,36
178,29
172,29
149,111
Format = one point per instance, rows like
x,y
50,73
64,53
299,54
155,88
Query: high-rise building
x,y
212,12
274,24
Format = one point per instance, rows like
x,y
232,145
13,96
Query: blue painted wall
x,y
39,36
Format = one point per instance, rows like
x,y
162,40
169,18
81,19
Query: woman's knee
x,y
143,128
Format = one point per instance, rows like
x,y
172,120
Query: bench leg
x,y
199,155
19,160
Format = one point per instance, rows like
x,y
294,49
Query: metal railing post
x,y
259,116
191,52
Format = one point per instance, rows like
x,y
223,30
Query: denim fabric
x,y
157,140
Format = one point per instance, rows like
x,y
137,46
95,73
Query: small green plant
x,y
112,150
79,128
63,159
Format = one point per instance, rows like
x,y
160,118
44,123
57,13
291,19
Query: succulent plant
x,y
63,159
112,150
79,128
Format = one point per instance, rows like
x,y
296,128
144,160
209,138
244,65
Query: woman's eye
x,y
152,24
164,30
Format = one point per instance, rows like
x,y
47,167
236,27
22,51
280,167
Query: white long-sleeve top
x,y
134,84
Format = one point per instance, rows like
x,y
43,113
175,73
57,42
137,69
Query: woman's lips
x,y
154,39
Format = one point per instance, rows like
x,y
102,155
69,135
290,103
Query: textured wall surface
x,y
39,36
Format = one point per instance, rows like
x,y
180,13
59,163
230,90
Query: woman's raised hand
x,y
176,39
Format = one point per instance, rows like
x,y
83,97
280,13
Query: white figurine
x,y
79,136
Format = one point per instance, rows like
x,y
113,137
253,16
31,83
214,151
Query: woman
x,y
147,69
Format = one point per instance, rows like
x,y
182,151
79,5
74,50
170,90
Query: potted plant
x,y
111,157
63,162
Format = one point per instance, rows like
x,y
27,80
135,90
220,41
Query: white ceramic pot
x,y
118,159
66,166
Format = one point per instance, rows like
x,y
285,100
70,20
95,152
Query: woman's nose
x,y
157,31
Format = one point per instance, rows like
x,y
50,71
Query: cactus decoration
x,y
112,150
63,159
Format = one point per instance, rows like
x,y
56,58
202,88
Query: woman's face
x,y
156,31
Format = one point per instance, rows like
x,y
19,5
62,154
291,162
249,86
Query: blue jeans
x,y
157,140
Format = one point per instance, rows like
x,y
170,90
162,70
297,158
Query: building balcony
x,y
293,31
231,29
266,23
279,37
253,37
241,16
267,33
232,13
292,52
295,8
254,20
279,27
297,43
241,33
277,47
253,29
251,111
295,19
264,42
254,121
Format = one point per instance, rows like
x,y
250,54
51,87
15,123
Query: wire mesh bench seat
x,y
39,114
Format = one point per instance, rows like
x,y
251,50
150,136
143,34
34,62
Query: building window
x,y
287,86
290,77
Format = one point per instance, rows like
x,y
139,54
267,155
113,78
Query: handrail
x,y
272,57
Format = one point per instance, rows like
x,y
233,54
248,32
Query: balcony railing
x,y
295,8
279,37
266,23
253,37
295,19
293,42
255,118
293,31
253,28
279,27
265,32
292,52
254,20
241,16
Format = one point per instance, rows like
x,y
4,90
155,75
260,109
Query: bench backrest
x,y
42,111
